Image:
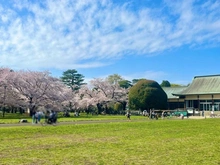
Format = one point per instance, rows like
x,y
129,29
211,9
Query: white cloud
x,y
64,34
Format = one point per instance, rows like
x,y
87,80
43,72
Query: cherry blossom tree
x,y
4,73
112,92
101,93
70,102
37,89
88,97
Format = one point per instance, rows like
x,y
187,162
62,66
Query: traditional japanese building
x,y
202,94
174,102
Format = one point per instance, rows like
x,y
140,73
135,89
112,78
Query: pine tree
x,y
73,79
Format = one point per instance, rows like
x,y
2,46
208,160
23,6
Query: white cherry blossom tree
x,y
36,89
101,93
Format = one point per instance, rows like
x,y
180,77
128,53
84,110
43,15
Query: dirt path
x,y
92,122
68,123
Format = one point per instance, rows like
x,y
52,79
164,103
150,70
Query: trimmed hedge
x,y
147,94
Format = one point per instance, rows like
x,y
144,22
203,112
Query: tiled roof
x,y
170,90
202,85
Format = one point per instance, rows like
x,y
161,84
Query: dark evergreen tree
x,y
125,84
165,83
73,79
134,81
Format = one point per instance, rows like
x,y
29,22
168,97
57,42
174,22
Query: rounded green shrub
x,y
147,94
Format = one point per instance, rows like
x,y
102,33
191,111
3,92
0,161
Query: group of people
x,y
151,115
50,117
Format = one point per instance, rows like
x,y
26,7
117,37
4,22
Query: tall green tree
x,y
165,83
73,79
125,84
114,79
134,81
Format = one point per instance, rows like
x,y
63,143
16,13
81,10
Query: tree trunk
x,y
99,106
3,114
124,103
32,110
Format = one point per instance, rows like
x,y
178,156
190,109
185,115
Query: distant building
x,y
174,102
202,94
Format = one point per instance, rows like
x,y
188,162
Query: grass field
x,y
160,142
14,118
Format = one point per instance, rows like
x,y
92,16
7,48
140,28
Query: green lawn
x,y
158,142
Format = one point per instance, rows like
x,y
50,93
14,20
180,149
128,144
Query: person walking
x,y
212,114
36,117
33,117
202,113
40,115
128,114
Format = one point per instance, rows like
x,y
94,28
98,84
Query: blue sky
x,y
157,40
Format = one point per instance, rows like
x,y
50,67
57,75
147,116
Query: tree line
x,y
33,90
